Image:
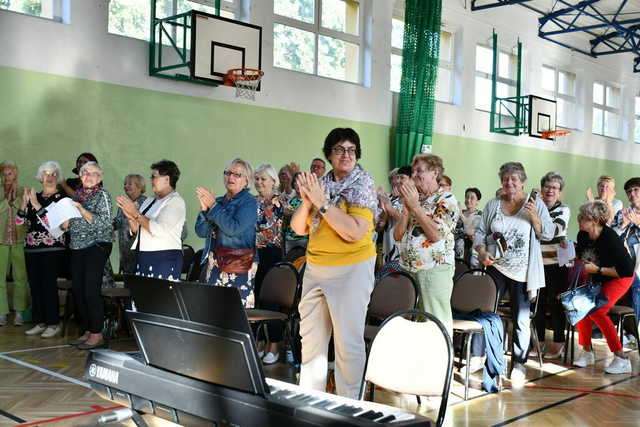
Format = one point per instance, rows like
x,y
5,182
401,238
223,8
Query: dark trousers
x,y
520,313
87,266
267,258
556,281
43,269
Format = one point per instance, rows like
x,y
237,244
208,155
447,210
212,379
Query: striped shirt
x,y
560,215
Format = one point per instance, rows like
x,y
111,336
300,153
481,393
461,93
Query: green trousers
x,y
436,285
13,255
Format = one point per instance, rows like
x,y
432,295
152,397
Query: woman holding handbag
x,y
158,224
229,224
609,263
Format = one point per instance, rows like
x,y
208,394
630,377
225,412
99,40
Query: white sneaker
x,y
17,319
534,352
619,366
518,376
476,363
36,330
587,358
556,355
3,319
261,354
51,331
270,358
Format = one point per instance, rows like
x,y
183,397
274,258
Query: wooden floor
x,y
41,383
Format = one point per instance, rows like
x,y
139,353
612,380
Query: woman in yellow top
x,y
337,212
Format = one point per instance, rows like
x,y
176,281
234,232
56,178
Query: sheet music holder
x,y
205,352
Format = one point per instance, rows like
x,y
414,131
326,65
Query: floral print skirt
x,y
160,264
242,282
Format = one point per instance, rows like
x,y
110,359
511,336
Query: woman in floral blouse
x,y
269,241
425,232
45,254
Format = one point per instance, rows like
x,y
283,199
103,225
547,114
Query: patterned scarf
x,y
84,194
356,189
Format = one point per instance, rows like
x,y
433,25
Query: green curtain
x,y
416,106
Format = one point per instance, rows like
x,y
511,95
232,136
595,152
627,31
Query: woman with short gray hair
x,y
228,223
134,188
45,253
608,262
556,275
508,243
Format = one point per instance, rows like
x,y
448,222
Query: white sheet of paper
x,y
566,255
59,212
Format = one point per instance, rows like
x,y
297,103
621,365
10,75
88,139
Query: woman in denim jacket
x,y
229,225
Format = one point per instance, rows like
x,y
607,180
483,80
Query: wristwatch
x,y
324,208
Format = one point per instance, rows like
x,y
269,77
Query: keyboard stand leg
x,y
138,420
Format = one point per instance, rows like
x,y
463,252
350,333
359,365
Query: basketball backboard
x,y
219,44
542,115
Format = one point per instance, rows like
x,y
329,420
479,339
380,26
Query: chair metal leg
x,y
467,344
536,343
418,400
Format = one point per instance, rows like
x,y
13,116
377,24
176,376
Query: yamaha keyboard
x,y
126,379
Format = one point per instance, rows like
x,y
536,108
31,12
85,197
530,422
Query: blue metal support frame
x,y
620,36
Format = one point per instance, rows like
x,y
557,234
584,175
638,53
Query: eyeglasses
x,y
632,190
152,177
551,187
233,174
53,174
313,167
95,174
339,150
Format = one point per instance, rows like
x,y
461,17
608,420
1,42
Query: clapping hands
x,y
311,190
206,197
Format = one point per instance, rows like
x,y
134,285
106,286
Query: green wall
x,y
47,117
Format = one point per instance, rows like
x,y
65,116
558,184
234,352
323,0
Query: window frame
x,y
511,82
448,65
605,108
232,6
318,30
556,94
59,11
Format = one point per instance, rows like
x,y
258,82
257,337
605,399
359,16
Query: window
x,y
322,37
506,83
606,111
131,18
444,89
49,9
636,133
561,85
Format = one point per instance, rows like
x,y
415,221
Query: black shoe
x,y
85,346
78,341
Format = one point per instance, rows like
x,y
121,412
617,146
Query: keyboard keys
x,y
387,419
370,415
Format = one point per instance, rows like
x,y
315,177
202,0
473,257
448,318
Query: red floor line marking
x,y
578,390
35,423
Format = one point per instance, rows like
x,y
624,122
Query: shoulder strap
x,y
139,232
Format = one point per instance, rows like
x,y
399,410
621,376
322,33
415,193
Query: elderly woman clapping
x,y
134,189
90,240
229,224
508,243
44,252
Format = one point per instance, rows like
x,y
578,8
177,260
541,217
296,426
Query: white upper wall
x,y
85,49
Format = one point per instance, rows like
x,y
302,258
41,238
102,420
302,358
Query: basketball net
x,y
246,81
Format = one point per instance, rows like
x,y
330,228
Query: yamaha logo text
x,y
104,374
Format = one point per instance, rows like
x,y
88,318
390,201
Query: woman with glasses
x,y
229,224
44,252
158,224
90,237
337,212
556,275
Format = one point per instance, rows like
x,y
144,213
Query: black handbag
x,y
579,301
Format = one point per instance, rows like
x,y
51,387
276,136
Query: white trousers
x,y
335,298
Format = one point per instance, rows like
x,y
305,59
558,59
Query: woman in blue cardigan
x,y
229,225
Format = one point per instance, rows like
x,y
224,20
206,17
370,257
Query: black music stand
x,y
208,353
157,296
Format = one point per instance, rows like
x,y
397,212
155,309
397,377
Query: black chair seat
x,y
370,332
618,310
257,315
116,293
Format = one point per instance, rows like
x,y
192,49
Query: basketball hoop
x,y
246,81
551,133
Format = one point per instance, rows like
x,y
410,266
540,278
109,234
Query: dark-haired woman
x,y
466,228
337,213
158,224
70,185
